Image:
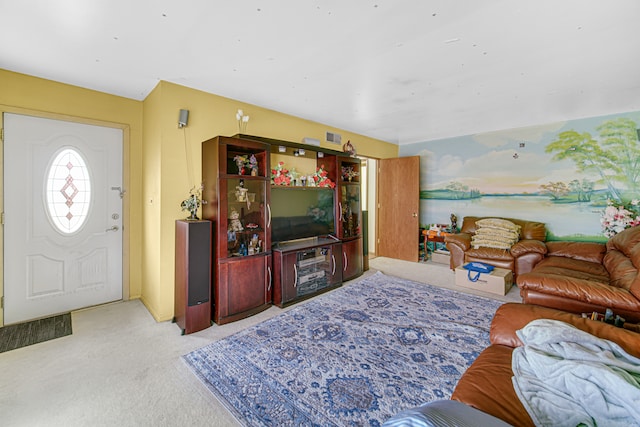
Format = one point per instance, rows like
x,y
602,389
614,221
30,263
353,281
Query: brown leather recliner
x,y
487,384
521,258
582,277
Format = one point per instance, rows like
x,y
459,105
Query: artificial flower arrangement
x,y
321,179
242,121
193,202
280,175
348,173
619,216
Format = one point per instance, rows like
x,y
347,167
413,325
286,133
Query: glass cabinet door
x,y
349,210
246,216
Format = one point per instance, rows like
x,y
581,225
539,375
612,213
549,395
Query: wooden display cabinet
x,y
237,202
305,268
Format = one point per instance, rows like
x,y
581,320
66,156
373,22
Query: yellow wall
x,y
172,166
162,162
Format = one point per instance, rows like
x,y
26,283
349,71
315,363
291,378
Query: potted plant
x,y
192,203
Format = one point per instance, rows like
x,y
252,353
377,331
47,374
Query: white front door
x,y
62,216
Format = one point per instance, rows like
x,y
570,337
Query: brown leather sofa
x,y
521,258
487,385
582,277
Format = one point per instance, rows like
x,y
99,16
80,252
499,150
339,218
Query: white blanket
x,y
567,377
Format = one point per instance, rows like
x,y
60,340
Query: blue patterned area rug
x,y
352,357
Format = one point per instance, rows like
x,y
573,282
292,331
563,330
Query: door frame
x,y
126,206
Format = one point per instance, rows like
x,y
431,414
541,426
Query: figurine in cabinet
x,y
235,224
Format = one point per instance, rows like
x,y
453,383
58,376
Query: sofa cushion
x,y
585,251
487,386
490,254
573,267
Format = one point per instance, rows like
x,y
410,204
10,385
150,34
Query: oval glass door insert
x,y
68,191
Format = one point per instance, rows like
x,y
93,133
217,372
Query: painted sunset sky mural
x,y
561,174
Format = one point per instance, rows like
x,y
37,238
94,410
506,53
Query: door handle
x,y
119,190
269,218
114,228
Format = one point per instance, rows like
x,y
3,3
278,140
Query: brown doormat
x,y
35,331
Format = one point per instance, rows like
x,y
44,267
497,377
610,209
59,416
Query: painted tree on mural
x,y
555,189
620,136
614,157
583,189
457,189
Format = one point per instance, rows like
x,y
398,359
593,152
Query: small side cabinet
x,y
192,308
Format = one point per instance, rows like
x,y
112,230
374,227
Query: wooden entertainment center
x,y
287,222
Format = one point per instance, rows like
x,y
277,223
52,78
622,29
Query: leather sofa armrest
x,y
460,240
511,317
528,246
457,244
584,251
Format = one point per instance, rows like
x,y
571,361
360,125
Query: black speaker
x,y
199,259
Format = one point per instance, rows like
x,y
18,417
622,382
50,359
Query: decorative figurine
x,y
349,148
235,224
192,203
241,194
454,223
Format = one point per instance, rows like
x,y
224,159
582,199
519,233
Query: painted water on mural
x,y
569,219
562,174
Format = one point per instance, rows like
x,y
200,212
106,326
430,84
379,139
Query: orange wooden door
x,y
398,208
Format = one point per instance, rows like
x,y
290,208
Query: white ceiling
x,y
402,71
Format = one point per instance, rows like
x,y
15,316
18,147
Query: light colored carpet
x,y
434,274
122,368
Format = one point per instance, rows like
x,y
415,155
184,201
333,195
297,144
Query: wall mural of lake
x,y
561,174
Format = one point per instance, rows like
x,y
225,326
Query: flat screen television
x,y
301,212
